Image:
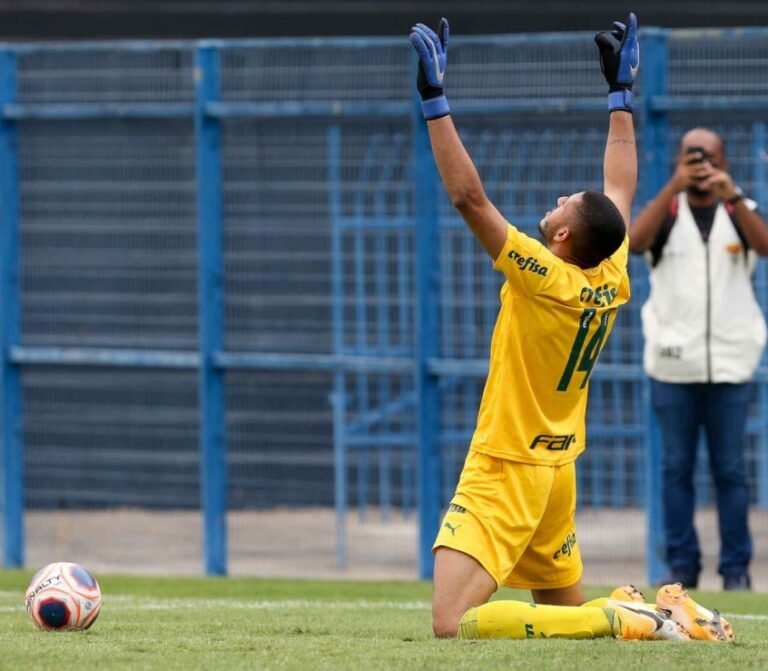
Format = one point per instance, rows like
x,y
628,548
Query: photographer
x,y
704,336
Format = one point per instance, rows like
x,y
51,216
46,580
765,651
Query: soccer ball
x,y
63,596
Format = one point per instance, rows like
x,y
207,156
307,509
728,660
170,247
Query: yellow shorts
x,y
517,520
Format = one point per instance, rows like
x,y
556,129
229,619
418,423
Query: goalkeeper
x,y
511,520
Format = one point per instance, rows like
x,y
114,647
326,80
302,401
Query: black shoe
x,y
742,583
687,581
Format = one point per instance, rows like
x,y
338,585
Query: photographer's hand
x,y
720,183
691,169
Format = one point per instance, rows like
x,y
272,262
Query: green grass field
x,y
234,623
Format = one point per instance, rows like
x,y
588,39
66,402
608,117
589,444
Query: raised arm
x,y
751,222
459,175
620,163
647,224
691,168
620,60
464,187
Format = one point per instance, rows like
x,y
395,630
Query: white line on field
x,y
126,602
747,617
120,602
169,604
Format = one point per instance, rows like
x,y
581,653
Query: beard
x,y
542,228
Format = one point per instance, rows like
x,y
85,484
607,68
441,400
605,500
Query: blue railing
x,y
266,215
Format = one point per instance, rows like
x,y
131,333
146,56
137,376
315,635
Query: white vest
x,y
701,321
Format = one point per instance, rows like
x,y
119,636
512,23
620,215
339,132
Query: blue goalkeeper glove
x,y
432,49
619,61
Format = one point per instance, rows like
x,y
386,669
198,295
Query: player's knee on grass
x,y
460,583
445,624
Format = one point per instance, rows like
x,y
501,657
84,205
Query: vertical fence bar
x,y
338,396
654,83
361,337
762,446
427,337
404,328
383,323
213,460
12,467
760,154
653,75
656,563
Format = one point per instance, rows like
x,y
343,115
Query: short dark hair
x,y
600,229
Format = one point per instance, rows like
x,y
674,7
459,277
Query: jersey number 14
x,y
583,358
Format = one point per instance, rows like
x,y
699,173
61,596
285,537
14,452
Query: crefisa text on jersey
x,y
567,547
528,263
604,295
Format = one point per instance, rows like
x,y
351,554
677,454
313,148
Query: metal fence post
x,y
653,74
760,157
213,460
12,468
654,83
427,337
338,396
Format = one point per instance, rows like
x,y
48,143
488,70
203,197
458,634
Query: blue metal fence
x,y
204,243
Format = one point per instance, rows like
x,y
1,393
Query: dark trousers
x,y
681,409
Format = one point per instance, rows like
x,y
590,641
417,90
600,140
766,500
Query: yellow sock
x,y
595,603
515,619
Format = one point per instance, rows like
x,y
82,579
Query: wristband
x,y
434,108
620,100
735,199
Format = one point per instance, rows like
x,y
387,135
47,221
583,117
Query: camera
x,y
697,150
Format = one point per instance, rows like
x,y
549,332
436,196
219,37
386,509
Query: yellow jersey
x,y
553,321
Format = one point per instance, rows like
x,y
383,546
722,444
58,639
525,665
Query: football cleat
x,y
627,593
702,624
639,622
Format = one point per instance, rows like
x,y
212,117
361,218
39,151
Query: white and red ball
x,y
63,596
